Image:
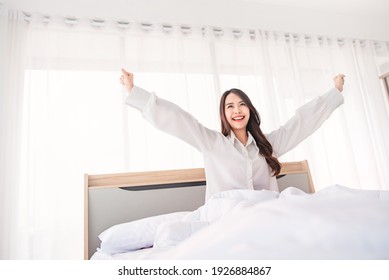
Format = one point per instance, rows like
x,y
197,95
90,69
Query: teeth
x,y
240,118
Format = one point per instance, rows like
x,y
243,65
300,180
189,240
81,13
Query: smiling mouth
x,y
237,119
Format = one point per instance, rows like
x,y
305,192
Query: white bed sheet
x,y
142,254
334,223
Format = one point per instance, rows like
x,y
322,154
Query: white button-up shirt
x,y
228,163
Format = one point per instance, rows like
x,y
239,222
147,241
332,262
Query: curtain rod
x,y
187,28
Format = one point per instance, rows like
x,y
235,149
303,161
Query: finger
x,y
125,73
341,76
128,75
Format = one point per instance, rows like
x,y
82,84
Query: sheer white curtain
x,y
63,112
13,31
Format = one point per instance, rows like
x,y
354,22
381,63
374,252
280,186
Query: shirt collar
x,y
233,138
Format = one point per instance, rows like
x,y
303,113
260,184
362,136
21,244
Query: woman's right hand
x,y
339,81
127,80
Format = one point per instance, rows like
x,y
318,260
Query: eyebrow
x,y
232,103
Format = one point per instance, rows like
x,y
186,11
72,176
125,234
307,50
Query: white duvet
x,y
334,223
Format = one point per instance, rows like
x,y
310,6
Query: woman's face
x,y
237,113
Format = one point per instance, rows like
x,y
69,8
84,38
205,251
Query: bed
x,y
163,215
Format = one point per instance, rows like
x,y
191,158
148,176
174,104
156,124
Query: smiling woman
x,y
239,117
241,157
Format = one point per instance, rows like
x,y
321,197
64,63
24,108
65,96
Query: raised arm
x,y
167,116
307,119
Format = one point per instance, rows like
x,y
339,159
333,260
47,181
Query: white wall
x,y
360,19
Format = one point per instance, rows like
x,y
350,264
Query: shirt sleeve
x,y
171,119
307,120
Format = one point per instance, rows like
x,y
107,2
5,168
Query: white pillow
x,y
135,235
172,233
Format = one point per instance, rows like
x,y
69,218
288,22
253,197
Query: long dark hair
x,y
253,126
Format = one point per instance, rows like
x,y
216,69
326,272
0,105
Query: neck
x,y
242,136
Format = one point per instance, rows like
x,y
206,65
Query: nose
x,y
237,110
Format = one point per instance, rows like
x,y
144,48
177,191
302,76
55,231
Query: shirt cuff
x,y
138,98
334,98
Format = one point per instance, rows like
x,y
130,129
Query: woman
x,y
241,156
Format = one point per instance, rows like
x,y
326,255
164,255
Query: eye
x,y
229,106
242,104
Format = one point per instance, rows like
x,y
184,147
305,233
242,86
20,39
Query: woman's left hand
x,y
339,81
127,80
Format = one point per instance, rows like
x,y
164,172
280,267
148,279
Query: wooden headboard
x,y
117,198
